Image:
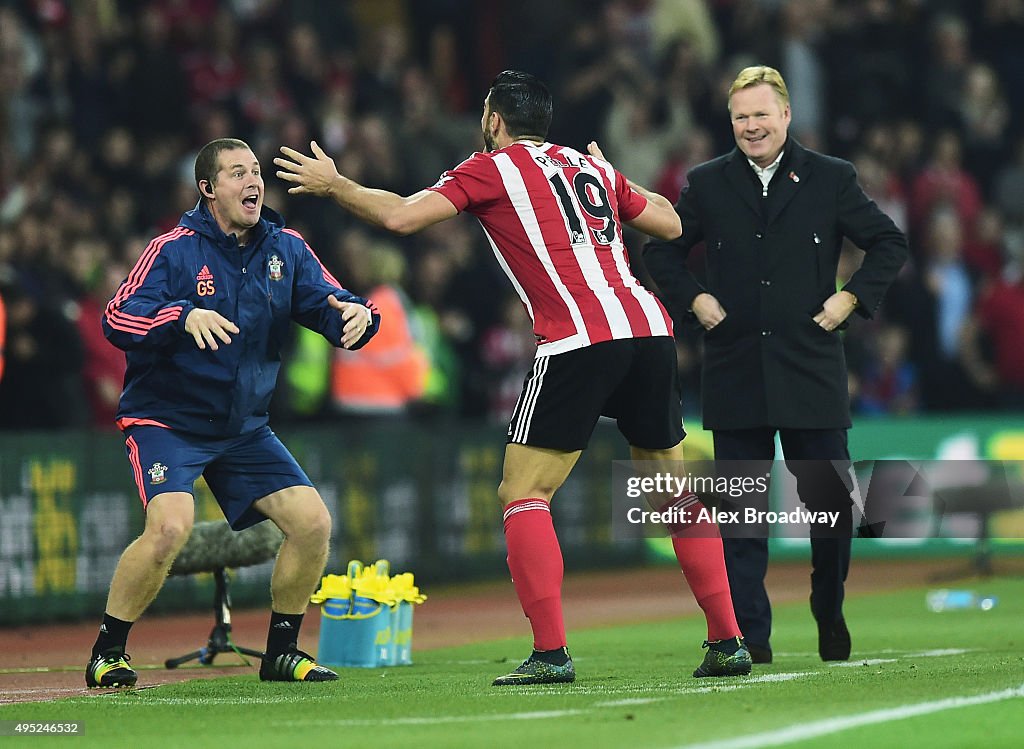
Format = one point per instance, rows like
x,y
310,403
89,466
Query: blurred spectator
x,y
688,21
431,279
92,89
104,365
429,137
1009,189
882,186
1000,317
379,76
803,24
641,130
507,350
630,27
306,378
984,118
983,252
214,68
888,380
446,73
21,62
373,147
306,67
946,76
153,93
947,382
264,99
389,376
944,184
692,148
590,65
866,89
1002,27
948,279
42,384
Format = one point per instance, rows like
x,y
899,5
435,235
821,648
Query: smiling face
x,y
760,121
237,192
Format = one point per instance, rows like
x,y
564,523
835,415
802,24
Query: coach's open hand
x,y
357,319
207,325
309,175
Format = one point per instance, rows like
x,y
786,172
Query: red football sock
x,y
535,561
698,547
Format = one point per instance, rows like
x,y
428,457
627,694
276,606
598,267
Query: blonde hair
x,y
755,75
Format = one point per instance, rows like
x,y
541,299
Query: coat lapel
x,y
740,179
791,176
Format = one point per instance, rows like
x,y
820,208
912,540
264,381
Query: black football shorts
x,y
632,380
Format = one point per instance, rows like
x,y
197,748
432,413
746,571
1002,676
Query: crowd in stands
x,y
104,103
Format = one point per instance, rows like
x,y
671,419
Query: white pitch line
x,y
669,690
922,653
584,689
631,701
804,731
781,676
939,653
268,700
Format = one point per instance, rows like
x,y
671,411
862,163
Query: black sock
x,y
284,632
728,647
556,657
113,635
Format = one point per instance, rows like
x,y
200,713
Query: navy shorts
x,y
238,470
632,380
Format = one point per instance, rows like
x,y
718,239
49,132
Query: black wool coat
x,y
771,262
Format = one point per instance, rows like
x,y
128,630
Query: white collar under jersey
x,y
765,174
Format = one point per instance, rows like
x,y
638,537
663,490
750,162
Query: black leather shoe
x,y
759,653
833,641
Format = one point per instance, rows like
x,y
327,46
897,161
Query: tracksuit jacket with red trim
x,y
261,287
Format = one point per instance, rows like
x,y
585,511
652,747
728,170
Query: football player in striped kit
x,y
554,218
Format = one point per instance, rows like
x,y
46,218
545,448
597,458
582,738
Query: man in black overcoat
x,y
773,215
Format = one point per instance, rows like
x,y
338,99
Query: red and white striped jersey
x,y
553,217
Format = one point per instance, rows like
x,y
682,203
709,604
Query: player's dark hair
x,y
206,159
523,101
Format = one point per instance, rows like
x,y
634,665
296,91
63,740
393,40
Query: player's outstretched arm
x,y
318,175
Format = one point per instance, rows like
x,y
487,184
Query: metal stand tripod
x,y
220,635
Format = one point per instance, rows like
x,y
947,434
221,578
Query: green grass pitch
x,y
918,679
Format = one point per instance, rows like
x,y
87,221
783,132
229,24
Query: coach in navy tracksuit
x,y
773,216
202,317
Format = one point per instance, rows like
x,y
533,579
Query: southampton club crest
x,y
158,473
274,266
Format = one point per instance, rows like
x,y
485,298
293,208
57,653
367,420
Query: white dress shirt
x,y
765,174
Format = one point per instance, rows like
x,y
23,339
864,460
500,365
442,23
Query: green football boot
x,y
110,669
534,671
718,663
